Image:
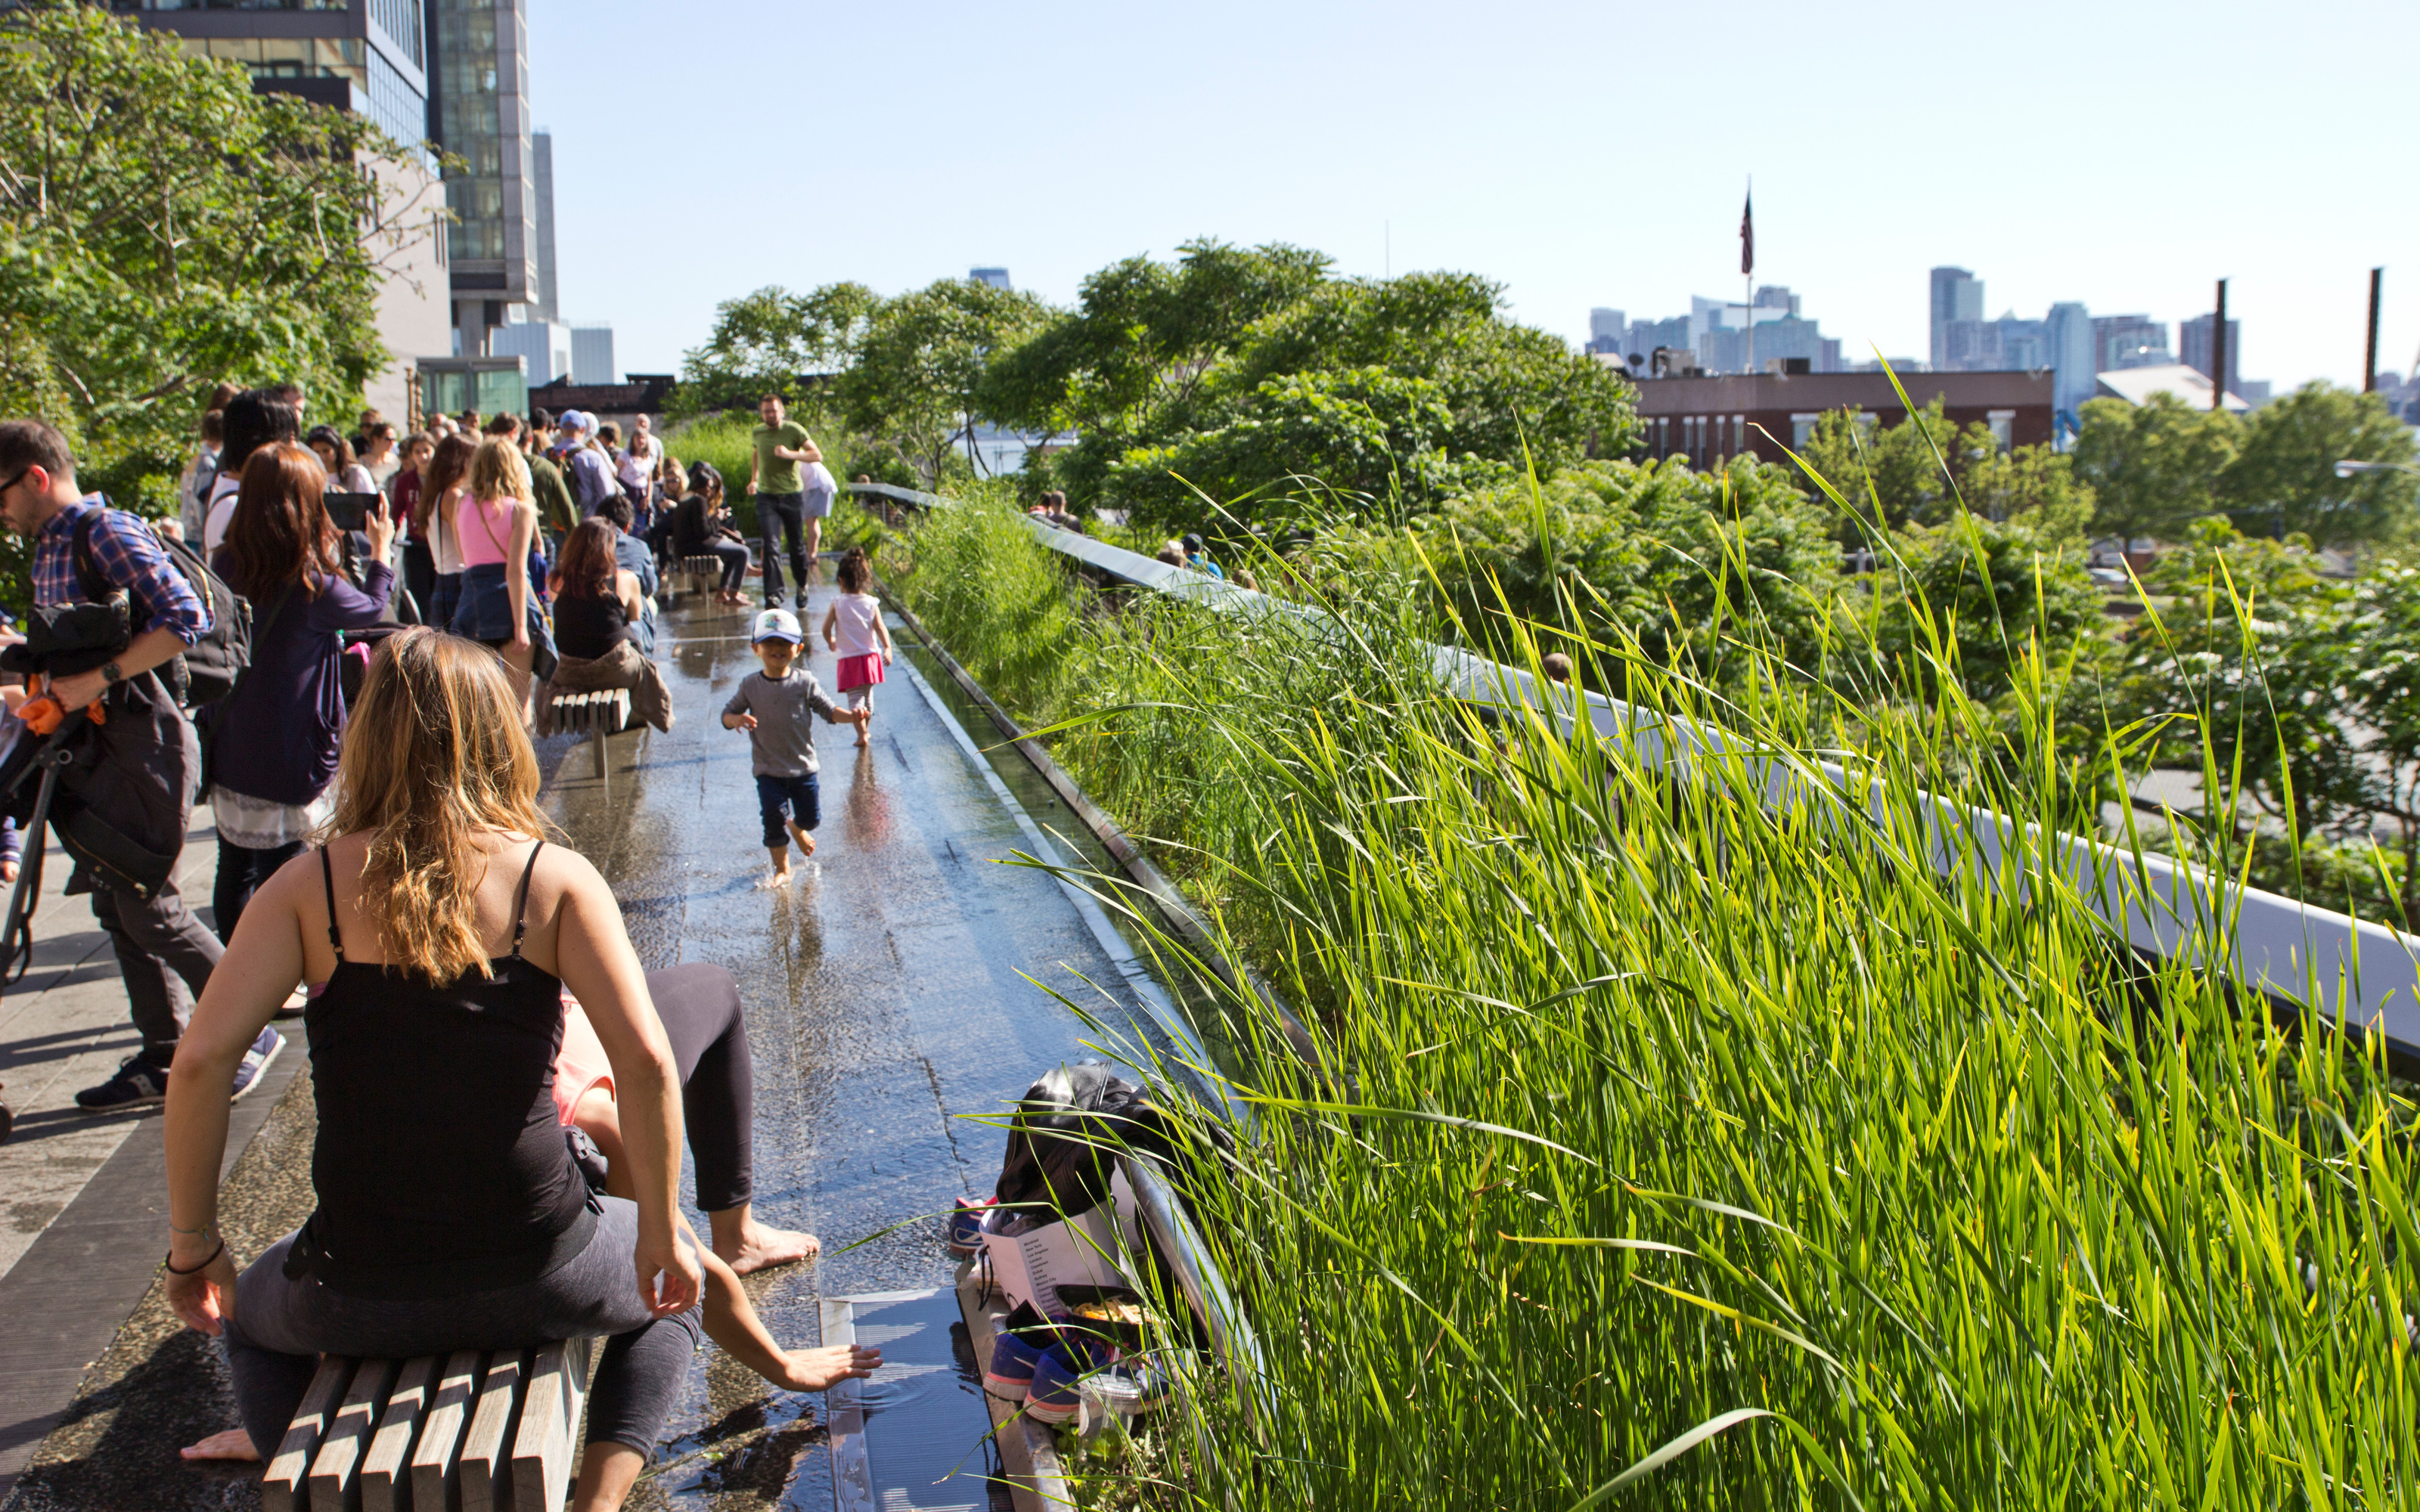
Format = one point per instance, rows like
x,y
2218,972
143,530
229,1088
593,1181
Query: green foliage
x,y
1975,602
1893,476
1681,1095
726,441
921,361
162,228
2153,467
774,342
2283,480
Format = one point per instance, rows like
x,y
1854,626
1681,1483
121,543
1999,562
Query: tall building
x,y
544,347
2120,341
1957,295
478,99
592,355
369,58
1607,329
545,300
2193,337
996,277
2068,335
1715,335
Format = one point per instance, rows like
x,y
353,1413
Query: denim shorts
x,y
485,611
797,794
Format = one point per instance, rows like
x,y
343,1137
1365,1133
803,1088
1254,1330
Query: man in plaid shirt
x,y
135,772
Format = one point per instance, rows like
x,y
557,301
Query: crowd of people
x,y
503,1091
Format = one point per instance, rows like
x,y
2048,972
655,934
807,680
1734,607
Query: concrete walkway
x,y
894,998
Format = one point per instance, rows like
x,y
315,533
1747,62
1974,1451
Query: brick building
x,y
1712,420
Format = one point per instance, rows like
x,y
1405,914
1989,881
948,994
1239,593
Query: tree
x,y
1995,595
2030,486
774,342
1892,476
163,227
922,363
2283,480
2153,467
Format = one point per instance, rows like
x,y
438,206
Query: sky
x,y
2123,154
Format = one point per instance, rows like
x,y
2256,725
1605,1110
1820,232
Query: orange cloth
x,y
581,1065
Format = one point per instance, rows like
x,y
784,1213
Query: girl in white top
x,y
854,631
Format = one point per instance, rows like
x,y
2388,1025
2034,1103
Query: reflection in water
x,y
868,810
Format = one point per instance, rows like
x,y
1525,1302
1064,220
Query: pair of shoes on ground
x,y
1056,1381
139,1082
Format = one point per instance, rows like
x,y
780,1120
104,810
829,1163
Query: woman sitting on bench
x,y
451,1214
702,528
597,610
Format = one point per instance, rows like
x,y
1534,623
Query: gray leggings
x,y
281,1327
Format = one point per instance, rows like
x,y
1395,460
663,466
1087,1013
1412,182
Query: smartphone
x,y
350,511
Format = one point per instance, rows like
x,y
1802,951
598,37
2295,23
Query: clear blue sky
x,y
2120,153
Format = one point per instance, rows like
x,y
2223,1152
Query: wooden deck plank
x,y
544,1446
335,1483
282,1485
436,1461
386,1470
487,1447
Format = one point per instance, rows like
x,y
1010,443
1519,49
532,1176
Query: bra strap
x,y
521,904
328,879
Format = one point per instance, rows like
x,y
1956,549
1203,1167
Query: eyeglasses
x,y
22,474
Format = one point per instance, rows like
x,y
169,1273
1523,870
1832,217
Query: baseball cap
x,y
776,624
573,419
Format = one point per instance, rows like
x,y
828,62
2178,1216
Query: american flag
x,y
1748,237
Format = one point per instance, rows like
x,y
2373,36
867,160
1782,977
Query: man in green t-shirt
x,y
781,447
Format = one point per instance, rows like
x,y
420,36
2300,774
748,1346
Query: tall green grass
x,y
1693,1151
725,441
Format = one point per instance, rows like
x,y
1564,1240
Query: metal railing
x,y
2311,958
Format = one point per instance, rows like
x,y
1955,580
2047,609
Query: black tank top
x,y
441,1164
587,626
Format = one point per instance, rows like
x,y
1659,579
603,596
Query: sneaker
x,y
802,601
1057,1394
137,1082
255,1061
967,1225
1010,1375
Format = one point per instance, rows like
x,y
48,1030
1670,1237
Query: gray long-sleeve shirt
x,y
783,740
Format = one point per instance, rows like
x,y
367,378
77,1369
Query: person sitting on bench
x,y
451,1213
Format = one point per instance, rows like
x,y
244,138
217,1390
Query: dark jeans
x,y
788,512
735,562
699,1004
165,957
282,1326
241,871
796,794
420,576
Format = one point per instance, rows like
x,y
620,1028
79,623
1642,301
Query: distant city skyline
x,y
1578,186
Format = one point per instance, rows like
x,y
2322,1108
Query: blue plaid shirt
x,y
129,556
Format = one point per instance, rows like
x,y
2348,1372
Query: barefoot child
x,y
773,707
854,630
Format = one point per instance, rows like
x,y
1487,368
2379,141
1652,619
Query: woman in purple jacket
x,y
271,743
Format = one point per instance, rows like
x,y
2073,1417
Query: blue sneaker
x,y
967,1225
255,1061
1009,1376
1058,1392
138,1081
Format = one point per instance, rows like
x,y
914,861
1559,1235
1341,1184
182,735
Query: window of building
x,y
1739,434
247,4
1802,430
400,19
2004,427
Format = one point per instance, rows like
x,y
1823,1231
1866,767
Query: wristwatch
x,y
110,673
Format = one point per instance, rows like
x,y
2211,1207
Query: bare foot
x,y
822,1369
862,741
235,1444
760,1246
806,842
773,880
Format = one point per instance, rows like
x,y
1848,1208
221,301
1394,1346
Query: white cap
x,y
776,624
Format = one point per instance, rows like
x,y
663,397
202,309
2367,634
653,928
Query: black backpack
x,y
207,669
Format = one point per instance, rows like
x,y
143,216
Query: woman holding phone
x,y
271,743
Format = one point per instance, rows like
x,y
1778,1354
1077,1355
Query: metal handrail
x,y
2314,957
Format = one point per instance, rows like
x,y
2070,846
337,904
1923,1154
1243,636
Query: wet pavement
x,y
896,999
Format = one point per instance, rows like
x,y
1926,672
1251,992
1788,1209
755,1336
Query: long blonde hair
x,y
497,472
433,756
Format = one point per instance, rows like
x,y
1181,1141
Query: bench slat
x,y
386,1470
332,1483
486,1473
543,1450
282,1486
436,1463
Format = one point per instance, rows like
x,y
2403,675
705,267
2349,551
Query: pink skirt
x,y
860,671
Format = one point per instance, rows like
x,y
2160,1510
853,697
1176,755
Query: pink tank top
x,y
484,529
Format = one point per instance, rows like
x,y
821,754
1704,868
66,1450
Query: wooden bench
x,y
703,574
480,1432
594,715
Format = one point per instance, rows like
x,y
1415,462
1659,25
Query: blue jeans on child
x,y
795,794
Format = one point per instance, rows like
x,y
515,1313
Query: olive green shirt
x,y
555,509
775,474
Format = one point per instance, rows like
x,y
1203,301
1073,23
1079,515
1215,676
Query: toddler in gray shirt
x,y
775,706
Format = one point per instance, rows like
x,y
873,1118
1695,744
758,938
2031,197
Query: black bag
x,y
1068,1131
62,640
205,670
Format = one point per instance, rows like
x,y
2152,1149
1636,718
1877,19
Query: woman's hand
x,y
669,1279
520,640
205,1299
378,524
